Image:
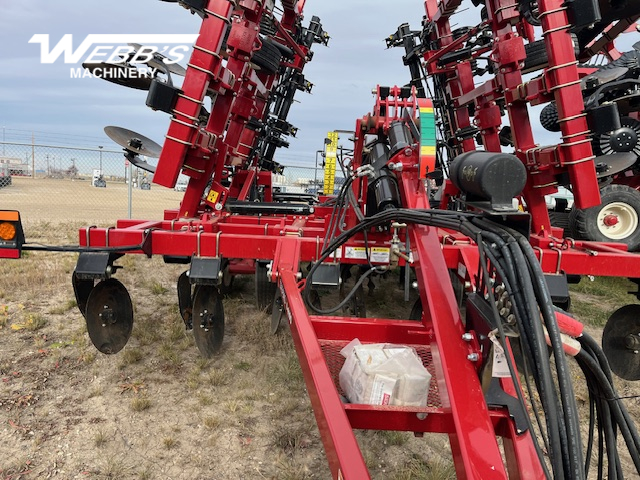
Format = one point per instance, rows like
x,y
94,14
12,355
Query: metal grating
x,y
331,350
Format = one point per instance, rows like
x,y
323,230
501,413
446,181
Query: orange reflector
x,y
9,216
7,231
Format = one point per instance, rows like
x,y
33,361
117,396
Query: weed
x,y
232,406
114,467
290,469
419,469
4,316
97,391
391,437
140,403
287,373
193,379
145,474
203,363
157,288
292,437
169,443
211,422
176,331
100,438
32,323
130,356
64,308
168,352
205,400
87,357
244,366
218,377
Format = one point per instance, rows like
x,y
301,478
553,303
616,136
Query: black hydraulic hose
x,y
544,301
591,438
558,436
609,395
570,407
557,433
525,351
590,344
512,369
346,299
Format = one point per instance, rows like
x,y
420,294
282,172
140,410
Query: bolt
x,y
467,337
473,357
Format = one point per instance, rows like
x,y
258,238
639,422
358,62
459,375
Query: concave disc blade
x,y
620,335
134,142
208,320
109,316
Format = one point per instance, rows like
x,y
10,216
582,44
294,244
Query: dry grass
x,y
249,399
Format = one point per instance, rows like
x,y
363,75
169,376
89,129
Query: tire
x,y
549,118
268,58
266,26
560,220
264,289
537,54
616,219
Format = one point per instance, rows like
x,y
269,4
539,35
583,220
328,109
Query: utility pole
x,y
100,147
33,156
48,169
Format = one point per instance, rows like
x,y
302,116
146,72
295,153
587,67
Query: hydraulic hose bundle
x,y
507,257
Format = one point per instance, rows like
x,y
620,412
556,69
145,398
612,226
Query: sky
x,y
42,98
61,110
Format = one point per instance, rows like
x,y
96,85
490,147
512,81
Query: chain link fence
x,y
47,182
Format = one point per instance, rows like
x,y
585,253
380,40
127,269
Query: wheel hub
x,y
617,220
610,220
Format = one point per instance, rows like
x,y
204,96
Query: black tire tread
x,y
549,118
268,58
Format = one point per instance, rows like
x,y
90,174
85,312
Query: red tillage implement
x,y
505,266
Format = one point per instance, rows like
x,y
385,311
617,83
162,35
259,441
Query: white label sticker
x,y
376,254
500,366
462,271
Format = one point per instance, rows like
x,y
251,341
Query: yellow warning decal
x,y
213,196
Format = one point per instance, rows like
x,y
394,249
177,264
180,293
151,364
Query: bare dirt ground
x,y
61,200
157,409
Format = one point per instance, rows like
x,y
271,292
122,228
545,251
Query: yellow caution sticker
x,y
213,196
